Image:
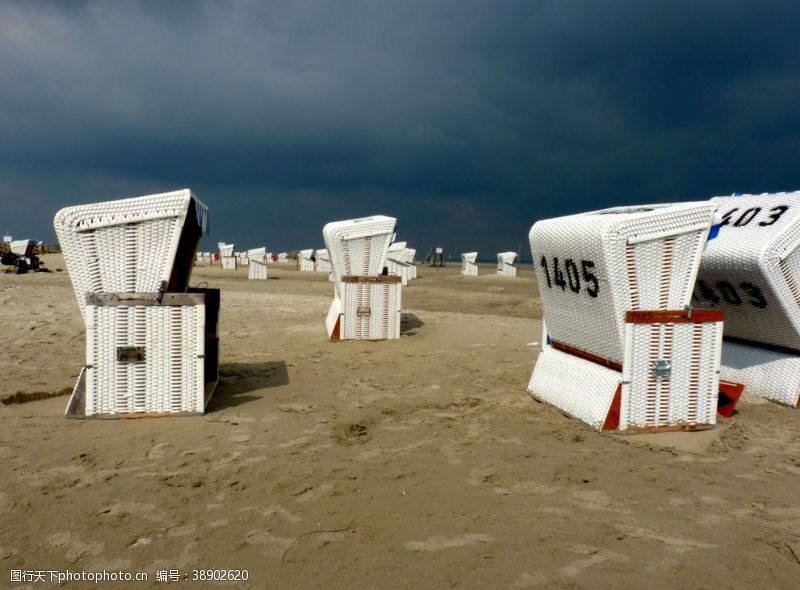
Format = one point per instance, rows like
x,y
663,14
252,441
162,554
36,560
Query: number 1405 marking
x,y
570,276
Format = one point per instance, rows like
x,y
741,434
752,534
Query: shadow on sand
x,y
409,323
237,380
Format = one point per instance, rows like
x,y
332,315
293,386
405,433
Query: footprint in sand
x,y
158,450
240,437
531,580
73,546
273,546
298,408
438,543
312,493
6,503
595,557
146,511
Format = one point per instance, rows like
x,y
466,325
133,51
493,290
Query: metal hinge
x,y
661,369
130,354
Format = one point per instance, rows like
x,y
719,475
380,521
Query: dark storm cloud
x,y
467,120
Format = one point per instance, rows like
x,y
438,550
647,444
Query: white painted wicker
x,y
225,249
669,378
228,262
323,261
396,262
257,269
468,266
371,311
283,258
258,254
170,379
505,264
614,285
128,245
752,272
410,254
772,374
365,305
594,267
306,264
358,247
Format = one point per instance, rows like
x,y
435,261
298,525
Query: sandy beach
x,y
415,463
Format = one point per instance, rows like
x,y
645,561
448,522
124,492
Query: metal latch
x,y
363,310
661,369
130,354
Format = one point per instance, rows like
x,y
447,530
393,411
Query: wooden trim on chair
x,y
674,316
383,279
599,360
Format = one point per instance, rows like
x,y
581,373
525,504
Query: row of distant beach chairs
x,y
634,303
505,264
399,260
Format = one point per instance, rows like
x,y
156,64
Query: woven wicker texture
x,y
358,247
579,387
323,261
370,311
128,245
257,270
225,249
468,266
505,264
306,264
170,379
594,267
752,269
689,395
228,262
771,374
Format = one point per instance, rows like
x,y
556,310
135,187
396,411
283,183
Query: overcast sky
x,y
466,120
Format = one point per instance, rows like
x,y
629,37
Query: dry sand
x,y
418,463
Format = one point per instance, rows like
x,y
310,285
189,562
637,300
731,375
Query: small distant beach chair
x,y
283,258
505,264
624,351
323,262
226,256
410,255
396,262
151,341
258,264
241,258
305,260
366,302
751,271
468,266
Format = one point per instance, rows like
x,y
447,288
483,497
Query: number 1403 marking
x,y
570,276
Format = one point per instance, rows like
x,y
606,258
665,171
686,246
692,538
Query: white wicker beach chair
x,y
396,262
505,264
468,266
323,263
366,303
410,254
151,346
625,351
258,264
226,256
751,271
304,260
283,258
